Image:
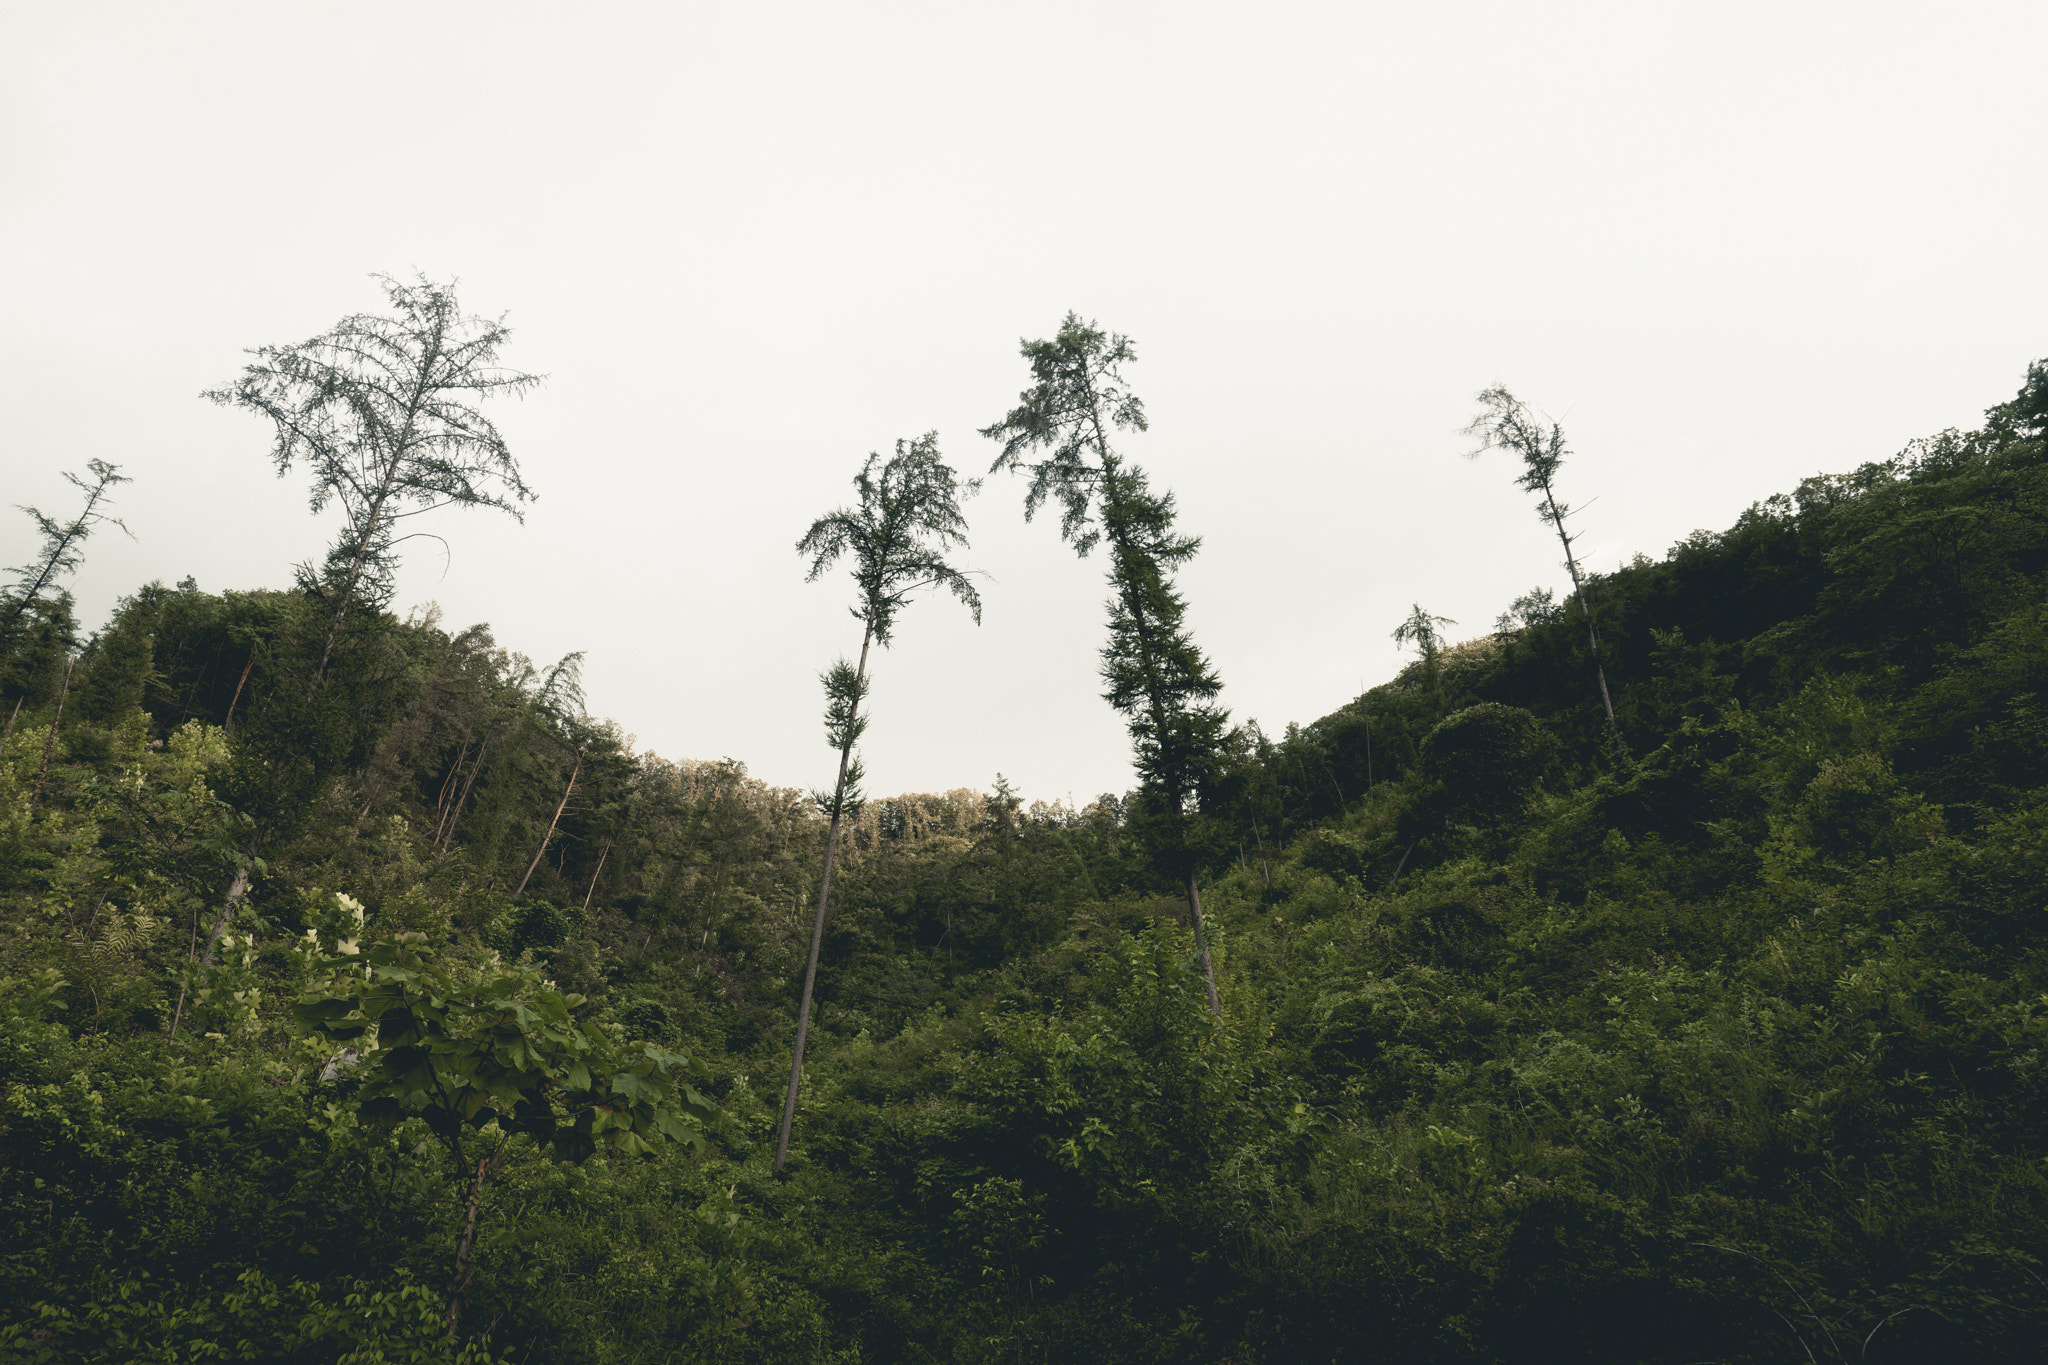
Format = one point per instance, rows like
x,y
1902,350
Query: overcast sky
x,y
1730,245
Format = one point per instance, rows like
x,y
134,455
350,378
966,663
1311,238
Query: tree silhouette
x,y
1420,630
1153,672
384,411
62,540
1505,422
907,520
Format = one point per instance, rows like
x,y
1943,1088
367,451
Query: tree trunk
x,y
441,797
1202,941
227,724
803,1017
237,888
458,1283
8,733
1571,564
602,854
50,744
454,817
548,838
1398,866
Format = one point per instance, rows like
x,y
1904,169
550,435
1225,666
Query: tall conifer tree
x,y
907,521
1153,671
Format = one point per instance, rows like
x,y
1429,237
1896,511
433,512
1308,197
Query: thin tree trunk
x,y
8,733
454,815
1202,941
227,724
1398,866
1571,564
803,1017
448,782
237,888
50,744
458,1283
1265,868
548,838
602,854
191,952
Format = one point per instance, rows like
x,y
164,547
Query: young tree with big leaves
x,y
385,411
485,1060
907,521
1505,422
1154,673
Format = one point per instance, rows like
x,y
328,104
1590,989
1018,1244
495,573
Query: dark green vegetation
x,y
1735,1049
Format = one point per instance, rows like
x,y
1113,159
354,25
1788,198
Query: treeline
x,y
1657,977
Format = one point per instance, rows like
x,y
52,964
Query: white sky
x,y
1729,244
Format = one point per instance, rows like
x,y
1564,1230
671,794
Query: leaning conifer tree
x,y
62,547
384,410
1506,423
907,521
1155,675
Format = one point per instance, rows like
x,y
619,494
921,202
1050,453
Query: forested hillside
x,y
362,998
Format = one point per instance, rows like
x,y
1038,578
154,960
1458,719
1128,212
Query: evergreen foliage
x,y
1154,673
62,548
1731,1053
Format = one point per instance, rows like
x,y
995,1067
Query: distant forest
x,y
1659,976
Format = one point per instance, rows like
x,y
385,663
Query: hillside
x,y
1732,1046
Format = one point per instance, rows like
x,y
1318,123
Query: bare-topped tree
x,y
1505,422
907,521
1155,674
62,541
385,411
